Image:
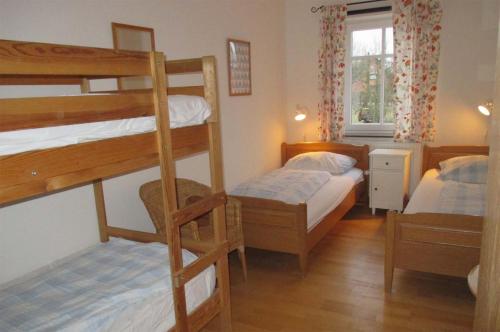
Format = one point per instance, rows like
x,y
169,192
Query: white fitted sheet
x,y
425,198
183,111
330,195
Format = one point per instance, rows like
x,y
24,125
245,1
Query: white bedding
x,y
425,198
434,195
183,111
116,286
330,195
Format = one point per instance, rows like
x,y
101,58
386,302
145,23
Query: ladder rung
x,y
193,211
192,270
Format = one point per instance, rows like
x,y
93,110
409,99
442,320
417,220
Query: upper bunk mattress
x,y
184,111
434,195
116,286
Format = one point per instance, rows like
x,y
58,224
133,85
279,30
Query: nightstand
x,y
389,178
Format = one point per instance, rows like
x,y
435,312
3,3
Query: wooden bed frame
x,y
29,174
439,243
277,226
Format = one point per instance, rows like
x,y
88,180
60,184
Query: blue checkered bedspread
x,y
289,186
463,198
85,293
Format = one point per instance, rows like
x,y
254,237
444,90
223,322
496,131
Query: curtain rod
x,y
358,11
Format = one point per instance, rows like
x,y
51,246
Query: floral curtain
x,y
416,56
331,72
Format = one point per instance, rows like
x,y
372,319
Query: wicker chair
x,y
188,192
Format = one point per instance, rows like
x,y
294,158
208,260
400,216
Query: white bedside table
x,y
389,178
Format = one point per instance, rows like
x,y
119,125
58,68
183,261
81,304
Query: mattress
x,y
434,195
183,111
116,286
330,195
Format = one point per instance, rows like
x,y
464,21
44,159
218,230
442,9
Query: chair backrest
x,y
188,192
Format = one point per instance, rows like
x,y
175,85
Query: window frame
x,y
365,22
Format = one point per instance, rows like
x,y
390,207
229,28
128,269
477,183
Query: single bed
x,y
296,228
434,234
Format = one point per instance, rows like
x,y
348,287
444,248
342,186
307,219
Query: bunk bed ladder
x,y
175,218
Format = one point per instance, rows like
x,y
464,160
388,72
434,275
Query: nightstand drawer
x,y
385,162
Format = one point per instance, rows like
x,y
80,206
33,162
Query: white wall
x,y
36,232
466,73
466,68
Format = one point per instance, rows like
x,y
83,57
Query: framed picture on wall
x,y
133,38
239,68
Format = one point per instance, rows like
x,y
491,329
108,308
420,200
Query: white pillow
x,y
187,110
468,169
333,163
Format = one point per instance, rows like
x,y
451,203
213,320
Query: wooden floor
x,y
343,289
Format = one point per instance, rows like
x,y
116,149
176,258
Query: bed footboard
x,y
431,242
274,225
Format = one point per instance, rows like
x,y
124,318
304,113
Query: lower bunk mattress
x,y
116,286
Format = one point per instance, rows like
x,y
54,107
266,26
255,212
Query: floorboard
x,y
343,289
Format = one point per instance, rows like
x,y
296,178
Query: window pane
x,y
389,44
365,90
388,92
367,42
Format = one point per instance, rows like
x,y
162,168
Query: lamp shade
x,y
300,112
486,108
300,116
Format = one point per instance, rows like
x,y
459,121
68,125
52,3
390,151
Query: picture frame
x,y
239,67
133,38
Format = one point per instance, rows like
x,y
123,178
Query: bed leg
x,y
243,260
389,251
303,263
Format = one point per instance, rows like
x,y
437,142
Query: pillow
x,y
468,169
333,163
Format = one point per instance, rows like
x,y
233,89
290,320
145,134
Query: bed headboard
x,y
358,152
433,155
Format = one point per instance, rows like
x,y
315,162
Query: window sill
x,y
368,136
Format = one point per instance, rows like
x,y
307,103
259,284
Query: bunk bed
x,y
279,226
31,173
424,239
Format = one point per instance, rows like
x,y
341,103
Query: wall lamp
x,y
486,108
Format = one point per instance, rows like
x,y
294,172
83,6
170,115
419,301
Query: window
x,y
369,110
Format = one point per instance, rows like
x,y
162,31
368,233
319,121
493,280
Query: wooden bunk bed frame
x,y
278,226
447,244
30,174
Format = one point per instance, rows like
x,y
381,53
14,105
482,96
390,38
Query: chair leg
x,y
243,260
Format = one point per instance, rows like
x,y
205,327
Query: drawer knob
x,y
386,163
375,188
